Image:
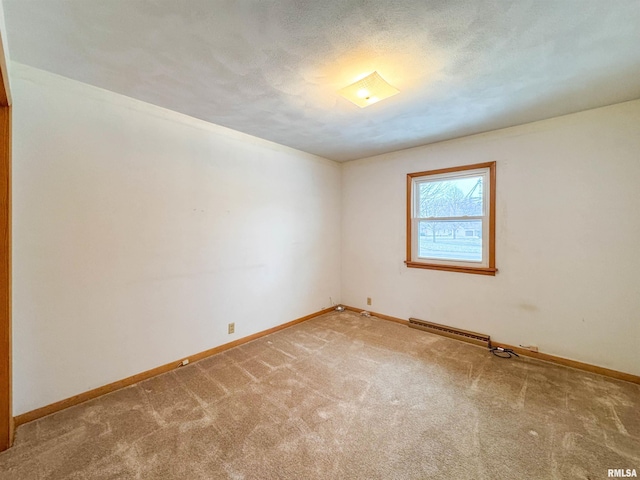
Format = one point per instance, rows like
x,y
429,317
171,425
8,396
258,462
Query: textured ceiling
x,y
271,68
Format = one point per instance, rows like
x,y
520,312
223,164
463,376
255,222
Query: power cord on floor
x,y
503,352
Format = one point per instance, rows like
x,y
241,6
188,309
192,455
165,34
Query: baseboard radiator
x,y
457,333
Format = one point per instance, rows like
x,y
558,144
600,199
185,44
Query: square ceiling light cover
x,y
368,90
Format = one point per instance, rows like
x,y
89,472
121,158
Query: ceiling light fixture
x,y
368,90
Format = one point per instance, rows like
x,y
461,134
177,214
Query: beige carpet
x,y
343,397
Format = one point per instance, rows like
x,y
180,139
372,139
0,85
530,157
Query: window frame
x,y
488,264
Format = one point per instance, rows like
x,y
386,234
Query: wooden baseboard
x,y
97,392
587,367
379,315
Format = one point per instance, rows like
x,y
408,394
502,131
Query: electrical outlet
x,y
368,300
232,328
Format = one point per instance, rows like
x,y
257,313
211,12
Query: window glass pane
x,y
451,198
450,240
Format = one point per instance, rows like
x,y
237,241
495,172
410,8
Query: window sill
x,y
453,268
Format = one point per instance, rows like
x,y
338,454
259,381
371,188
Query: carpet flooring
x,y
343,396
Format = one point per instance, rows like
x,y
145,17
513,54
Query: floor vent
x,y
458,334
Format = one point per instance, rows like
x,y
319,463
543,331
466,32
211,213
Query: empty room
x,y
295,239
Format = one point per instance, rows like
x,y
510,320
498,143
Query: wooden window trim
x,y
488,270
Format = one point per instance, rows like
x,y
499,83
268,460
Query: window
x,y
451,219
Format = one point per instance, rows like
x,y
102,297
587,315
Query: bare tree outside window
x,y
445,232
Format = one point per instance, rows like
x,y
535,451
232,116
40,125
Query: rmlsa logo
x,y
622,473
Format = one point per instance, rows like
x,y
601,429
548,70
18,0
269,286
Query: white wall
x,y
568,232
140,233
